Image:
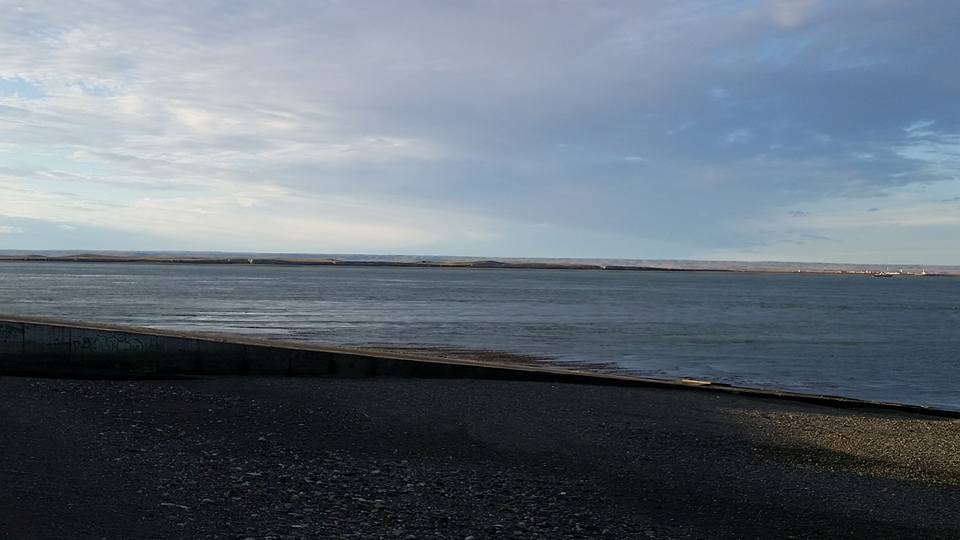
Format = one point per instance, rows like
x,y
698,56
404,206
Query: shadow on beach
x,y
408,458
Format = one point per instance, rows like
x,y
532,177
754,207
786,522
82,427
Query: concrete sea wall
x,y
54,347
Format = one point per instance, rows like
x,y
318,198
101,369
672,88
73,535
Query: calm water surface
x,y
893,339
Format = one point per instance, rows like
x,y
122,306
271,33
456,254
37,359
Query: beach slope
x,y
237,457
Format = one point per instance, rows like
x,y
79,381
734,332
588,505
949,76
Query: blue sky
x,y
800,130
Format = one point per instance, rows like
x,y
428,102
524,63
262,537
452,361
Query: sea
x,y
894,339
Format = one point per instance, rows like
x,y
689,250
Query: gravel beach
x,y
255,457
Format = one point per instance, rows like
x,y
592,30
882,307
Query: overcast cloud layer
x,y
776,130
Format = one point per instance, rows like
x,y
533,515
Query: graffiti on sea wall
x,y
114,343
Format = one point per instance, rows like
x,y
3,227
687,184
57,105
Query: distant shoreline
x,y
281,261
454,263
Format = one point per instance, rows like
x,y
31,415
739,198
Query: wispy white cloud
x,y
937,153
738,136
793,13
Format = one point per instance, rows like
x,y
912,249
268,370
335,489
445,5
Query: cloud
x,y
9,229
920,128
381,126
738,136
718,93
793,13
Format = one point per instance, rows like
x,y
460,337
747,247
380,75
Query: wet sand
x,y
494,357
239,457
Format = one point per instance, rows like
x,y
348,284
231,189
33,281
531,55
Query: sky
x,y
793,130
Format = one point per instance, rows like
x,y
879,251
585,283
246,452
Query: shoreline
x,y
445,362
874,270
611,368
495,356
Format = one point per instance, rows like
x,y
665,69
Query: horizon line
x,y
475,258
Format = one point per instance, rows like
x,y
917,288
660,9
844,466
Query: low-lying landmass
x,y
156,257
